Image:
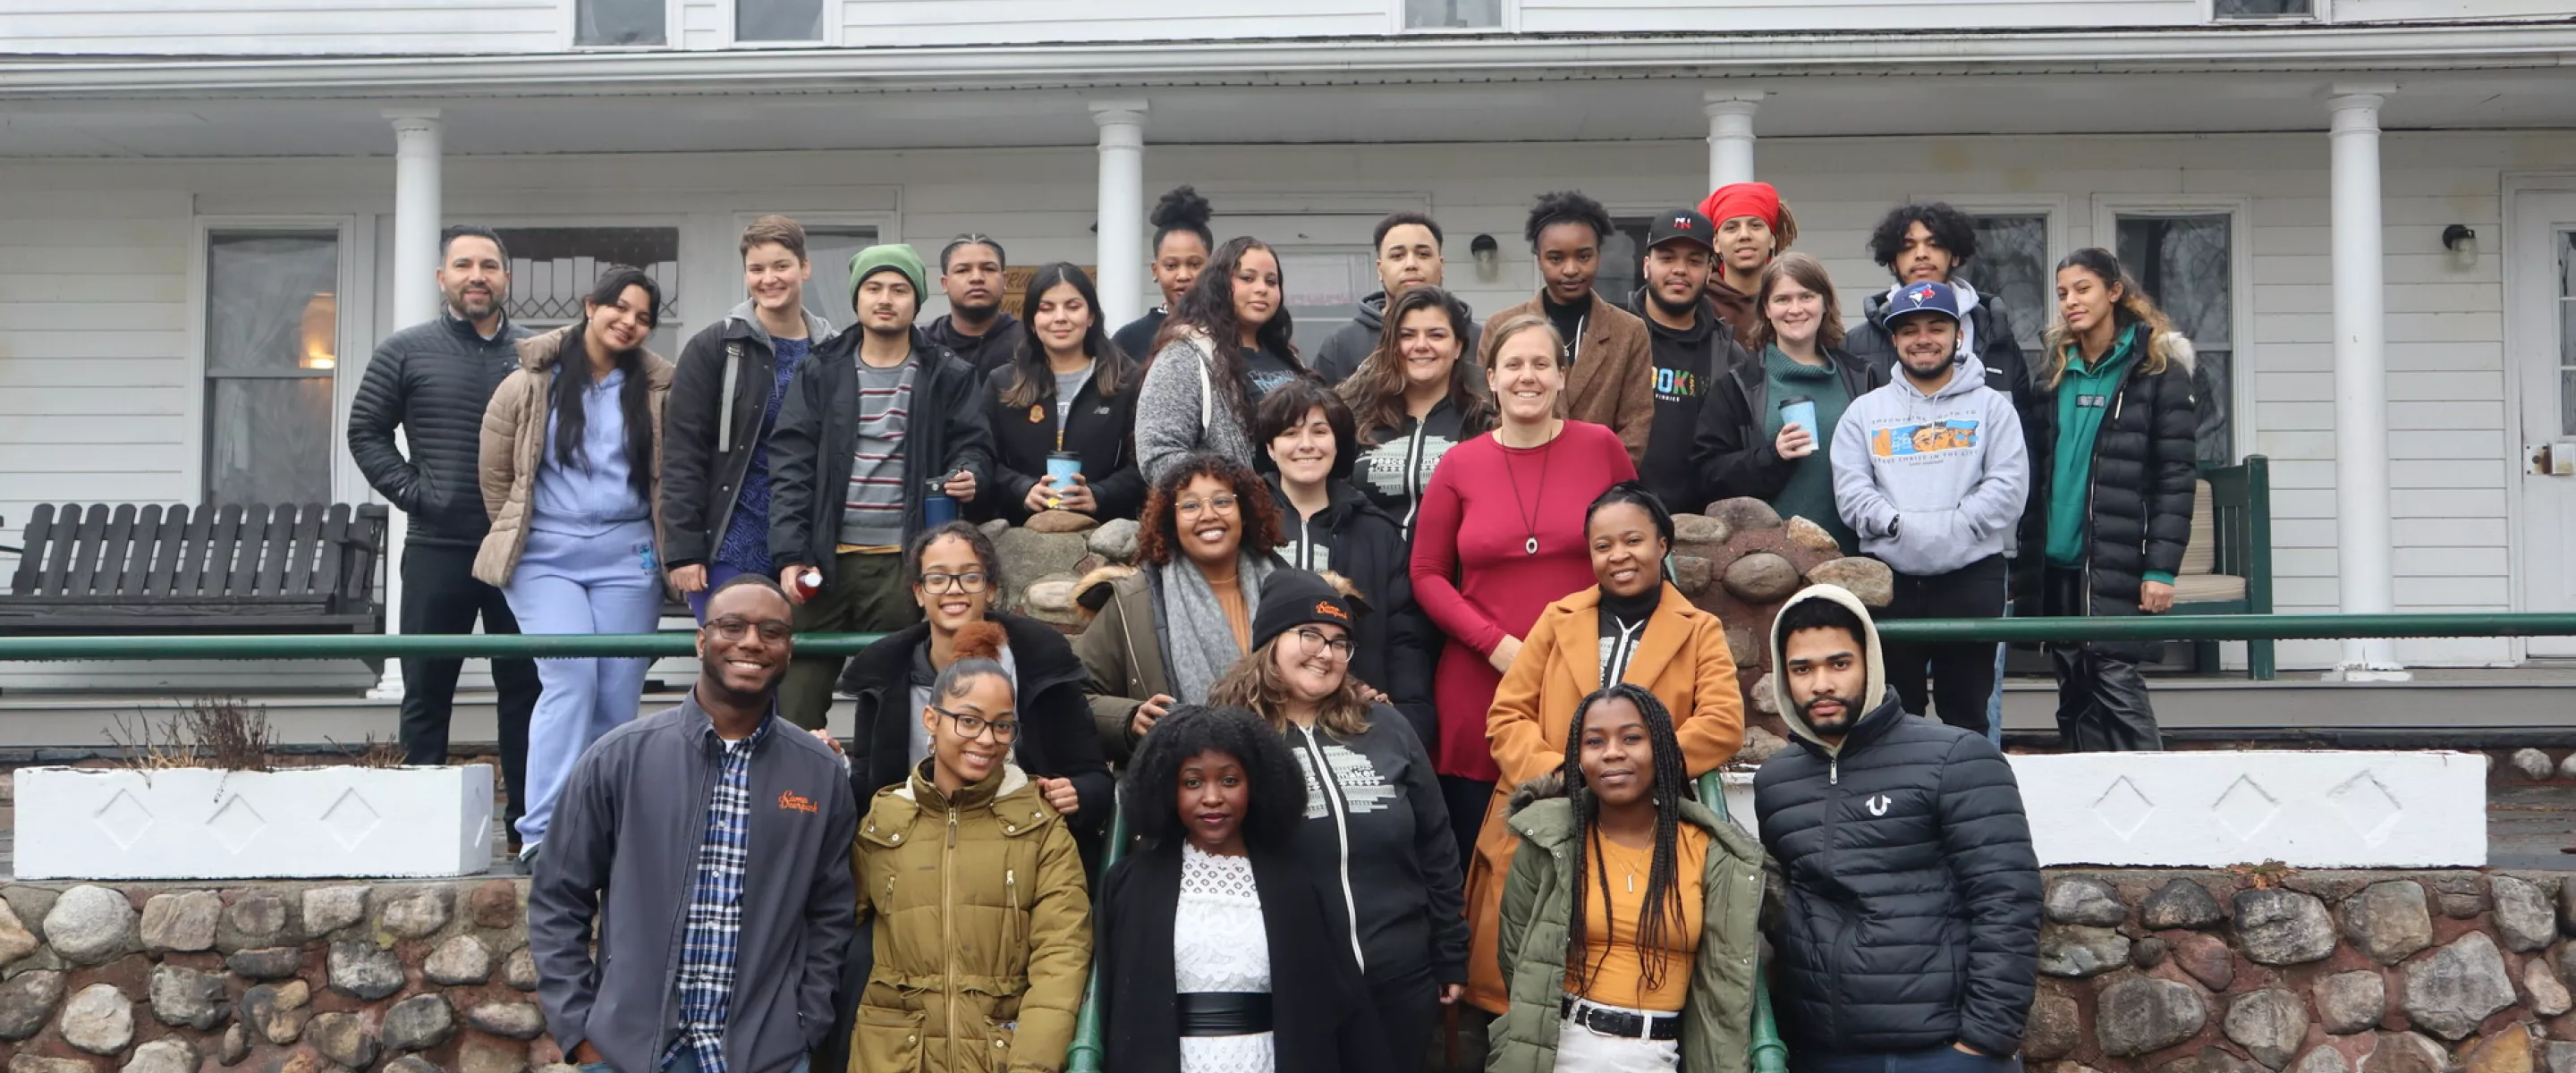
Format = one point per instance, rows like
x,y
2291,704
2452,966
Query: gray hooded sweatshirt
x,y
1952,465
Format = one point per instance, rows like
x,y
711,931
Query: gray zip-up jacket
x,y
1932,483
623,852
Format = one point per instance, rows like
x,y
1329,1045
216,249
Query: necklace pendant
x,y
1531,547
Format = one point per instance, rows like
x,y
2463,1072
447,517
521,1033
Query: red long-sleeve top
x,y
1473,572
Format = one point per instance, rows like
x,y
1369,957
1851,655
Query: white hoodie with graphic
x,y
1952,464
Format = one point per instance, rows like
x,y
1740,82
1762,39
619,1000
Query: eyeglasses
x,y
970,581
1339,648
1004,731
733,627
1191,508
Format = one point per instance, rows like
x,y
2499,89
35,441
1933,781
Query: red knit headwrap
x,y
1743,199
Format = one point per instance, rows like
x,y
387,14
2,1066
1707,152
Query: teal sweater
x,y
2084,398
1810,491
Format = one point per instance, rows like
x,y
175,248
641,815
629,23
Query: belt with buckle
x,y
1621,1023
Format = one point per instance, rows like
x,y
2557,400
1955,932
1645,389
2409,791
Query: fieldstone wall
x,y
290,978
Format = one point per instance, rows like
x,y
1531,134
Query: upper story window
x,y
1453,14
2264,9
621,23
777,20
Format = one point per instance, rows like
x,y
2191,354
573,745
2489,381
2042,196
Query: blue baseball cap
x,y
1920,298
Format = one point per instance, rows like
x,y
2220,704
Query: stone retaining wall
x,y
2148,970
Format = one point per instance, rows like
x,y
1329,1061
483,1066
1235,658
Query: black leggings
x,y
1467,799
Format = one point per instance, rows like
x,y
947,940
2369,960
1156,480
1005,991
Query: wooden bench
x,y
2227,567
123,569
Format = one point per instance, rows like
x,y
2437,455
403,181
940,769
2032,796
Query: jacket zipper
x,y
948,928
1340,808
1413,472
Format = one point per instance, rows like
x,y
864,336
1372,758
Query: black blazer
x,y
1101,430
1321,1018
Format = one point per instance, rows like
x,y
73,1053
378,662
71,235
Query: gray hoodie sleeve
x,y
1993,507
1856,495
1167,410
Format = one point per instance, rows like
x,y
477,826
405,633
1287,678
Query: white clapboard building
x,y
2362,210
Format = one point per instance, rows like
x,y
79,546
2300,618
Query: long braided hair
x,y
1663,902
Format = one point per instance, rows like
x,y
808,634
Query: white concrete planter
x,y
2221,808
196,823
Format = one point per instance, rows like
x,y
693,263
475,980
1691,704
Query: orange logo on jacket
x,y
787,800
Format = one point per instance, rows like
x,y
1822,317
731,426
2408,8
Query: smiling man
x,y
1910,940
1692,346
654,839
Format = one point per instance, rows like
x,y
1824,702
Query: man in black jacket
x,y
433,381
1692,347
878,418
1408,255
972,273
1910,939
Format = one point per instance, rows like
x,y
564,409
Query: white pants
x,y
1579,1048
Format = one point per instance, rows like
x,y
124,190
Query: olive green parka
x,y
1717,1017
982,929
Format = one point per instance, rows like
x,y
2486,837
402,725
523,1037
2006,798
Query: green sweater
x,y
2084,399
1810,491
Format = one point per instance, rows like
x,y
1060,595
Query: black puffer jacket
x,y
2144,465
1058,743
1912,918
434,381
1396,644
815,445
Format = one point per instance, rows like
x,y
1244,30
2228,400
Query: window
x,y
615,23
2012,271
778,20
1453,14
553,268
1623,260
1324,287
828,248
2264,9
272,341
2187,264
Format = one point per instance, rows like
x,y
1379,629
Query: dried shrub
x,y
371,752
223,733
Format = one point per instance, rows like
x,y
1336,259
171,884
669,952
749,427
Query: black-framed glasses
x,y
970,581
1004,731
734,627
1339,648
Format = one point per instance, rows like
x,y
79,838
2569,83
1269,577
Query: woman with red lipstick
x,y
982,930
1212,935
1632,627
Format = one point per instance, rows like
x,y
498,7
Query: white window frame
x,y
1510,10
2244,418
673,32
351,348
831,32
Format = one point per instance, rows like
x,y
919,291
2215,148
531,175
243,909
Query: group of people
x,y
1382,672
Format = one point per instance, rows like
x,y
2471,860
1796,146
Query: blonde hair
x,y
1808,272
2131,308
1254,683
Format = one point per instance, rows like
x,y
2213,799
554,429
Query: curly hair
x,y
1277,791
1951,230
1207,308
1158,538
1567,207
1182,211
976,542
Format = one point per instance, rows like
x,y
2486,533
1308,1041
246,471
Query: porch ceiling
x,y
1596,109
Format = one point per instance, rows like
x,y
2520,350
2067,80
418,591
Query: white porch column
x,y
1730,134
1120,254
417,217
2361,380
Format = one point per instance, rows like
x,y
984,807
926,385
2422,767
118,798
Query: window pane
x,y
2011,270
1453,14
553,268
778,20
619,22
1622,260
269,440
2264,9
271,304
2186,263
828,248
1324,291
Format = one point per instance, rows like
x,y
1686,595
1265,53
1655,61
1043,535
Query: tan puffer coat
x,y
983,930
514,441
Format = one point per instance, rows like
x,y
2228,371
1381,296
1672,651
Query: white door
x,y
2542,310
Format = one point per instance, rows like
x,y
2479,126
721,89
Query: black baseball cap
x,y
1684,224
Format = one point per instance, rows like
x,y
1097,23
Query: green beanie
x,y
893,257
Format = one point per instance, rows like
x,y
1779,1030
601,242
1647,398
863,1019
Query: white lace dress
x,y
1218,944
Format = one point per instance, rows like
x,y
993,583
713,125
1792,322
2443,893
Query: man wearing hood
x,y
972,273
1408,255
1930,471
1909,941
1691,344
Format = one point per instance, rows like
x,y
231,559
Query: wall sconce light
x,y
1488,254
2463,244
